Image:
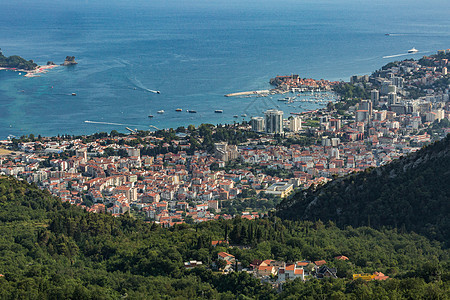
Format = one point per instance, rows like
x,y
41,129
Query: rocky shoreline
x,y
69,61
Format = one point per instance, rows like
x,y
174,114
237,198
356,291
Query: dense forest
x,y
410,194
16,62
349,91
52,250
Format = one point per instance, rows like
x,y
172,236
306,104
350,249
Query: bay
x,y
194,52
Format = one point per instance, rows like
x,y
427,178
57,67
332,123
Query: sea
x,y
193,52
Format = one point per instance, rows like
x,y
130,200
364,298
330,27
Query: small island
x,y
17,63
69,61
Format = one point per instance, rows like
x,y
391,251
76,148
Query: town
x,y
199,174
195,174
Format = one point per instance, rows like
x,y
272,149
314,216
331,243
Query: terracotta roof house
x,y
341,257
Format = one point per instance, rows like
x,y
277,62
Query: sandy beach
x,y
39,70
32,73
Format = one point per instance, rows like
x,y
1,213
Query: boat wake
x,y
404,54
108,123
137,83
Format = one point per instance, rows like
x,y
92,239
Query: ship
x,y
287,99
150,116
160,111
413,50
218,111
192,111
178,109
74,94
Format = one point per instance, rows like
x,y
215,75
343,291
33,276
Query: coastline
x,y
32,73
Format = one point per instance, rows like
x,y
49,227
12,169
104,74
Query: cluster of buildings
x,y
273,123
278,272
295,83
392,89
183,185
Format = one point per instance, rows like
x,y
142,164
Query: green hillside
x,y
410,194
52,250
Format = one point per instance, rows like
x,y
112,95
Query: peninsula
x,y
290,83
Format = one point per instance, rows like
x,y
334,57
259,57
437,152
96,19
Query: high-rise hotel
x,y
274,121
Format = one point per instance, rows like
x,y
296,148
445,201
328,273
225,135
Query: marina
x,y
299,104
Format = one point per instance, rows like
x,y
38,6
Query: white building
x,y
291,272
258,124
392,98
295,124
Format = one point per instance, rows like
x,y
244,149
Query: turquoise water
x,y
194,53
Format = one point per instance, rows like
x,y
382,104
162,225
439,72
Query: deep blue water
x,y
194,52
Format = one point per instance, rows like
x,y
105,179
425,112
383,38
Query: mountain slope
x,y
412,193
52,250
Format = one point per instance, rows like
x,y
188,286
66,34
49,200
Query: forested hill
x,y
52,250
411,193
16,62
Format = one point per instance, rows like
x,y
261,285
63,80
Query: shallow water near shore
x,y
194,54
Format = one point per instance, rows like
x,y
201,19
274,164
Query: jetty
x,y
262,92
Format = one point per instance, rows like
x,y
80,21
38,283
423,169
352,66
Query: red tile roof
x,y
320,262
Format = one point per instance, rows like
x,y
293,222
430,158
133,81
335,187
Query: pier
x,y
262,92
